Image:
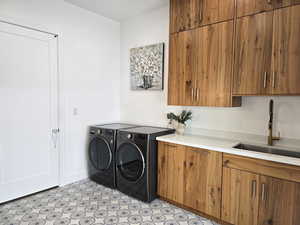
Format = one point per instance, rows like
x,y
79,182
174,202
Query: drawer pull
x,y
253,188
263,192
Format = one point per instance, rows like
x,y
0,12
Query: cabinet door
x,y
203,180
286,51
296,2
175,76
279,202
240,199
248,7
184,15
171,171
213,11
190,14
182,69
214,60
253,54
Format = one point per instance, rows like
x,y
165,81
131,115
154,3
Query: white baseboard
x,y
71,178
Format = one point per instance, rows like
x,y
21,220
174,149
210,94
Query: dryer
x,y
136,161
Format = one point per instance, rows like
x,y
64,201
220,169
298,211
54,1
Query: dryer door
x,y
100,153
130,162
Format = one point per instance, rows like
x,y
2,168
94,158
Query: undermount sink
x,y
270,150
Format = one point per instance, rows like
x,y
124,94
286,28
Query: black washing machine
x,y
101,153
136,161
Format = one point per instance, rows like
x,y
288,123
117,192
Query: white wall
x,y
151,107
89,61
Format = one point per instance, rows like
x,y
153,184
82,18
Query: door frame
x,y
60,103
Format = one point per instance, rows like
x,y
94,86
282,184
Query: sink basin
x,y
270,150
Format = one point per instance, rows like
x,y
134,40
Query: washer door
x,y
130,162
100,153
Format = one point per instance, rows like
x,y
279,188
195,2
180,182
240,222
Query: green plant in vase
x,y
180,120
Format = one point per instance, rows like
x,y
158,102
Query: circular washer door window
x,y
100,153
130,162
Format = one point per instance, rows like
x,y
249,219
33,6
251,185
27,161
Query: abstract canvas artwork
x,y
147,67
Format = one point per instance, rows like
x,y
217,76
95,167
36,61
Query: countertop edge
x,y
228,149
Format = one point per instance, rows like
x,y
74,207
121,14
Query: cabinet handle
x,y
253,188
197,94
201,16
201,13
274,78
193,94
265,79
263,192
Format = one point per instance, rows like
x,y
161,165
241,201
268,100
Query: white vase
x,y
180,128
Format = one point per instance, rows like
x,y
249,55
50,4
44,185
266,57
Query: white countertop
x,y
226,146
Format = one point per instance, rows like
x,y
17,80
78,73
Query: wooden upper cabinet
x,y
201,62
185,177
286,52
296,2
253,54
184,15
249,7
182,68
279,202
214,60
214,11
240,201
190,14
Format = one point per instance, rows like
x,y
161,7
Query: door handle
x,y
54,136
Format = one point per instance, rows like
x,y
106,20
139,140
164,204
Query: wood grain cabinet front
x,y
200,72
254,36
240,201
191,14
249,7
279,202
252,199
285,77
190,177
259,192
267,53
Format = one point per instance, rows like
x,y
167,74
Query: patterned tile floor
x,y
87,203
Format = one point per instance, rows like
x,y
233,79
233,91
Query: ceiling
x,y
119,9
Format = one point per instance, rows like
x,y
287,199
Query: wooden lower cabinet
x,y
170,171
279,202
239,192
240,200
190,177
251,199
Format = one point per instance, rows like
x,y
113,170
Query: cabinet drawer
x,y
263,167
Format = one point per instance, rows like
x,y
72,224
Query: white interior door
x,y
28,112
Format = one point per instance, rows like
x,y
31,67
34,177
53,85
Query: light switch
x,y
75,111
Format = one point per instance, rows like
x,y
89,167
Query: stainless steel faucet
x,y
271,139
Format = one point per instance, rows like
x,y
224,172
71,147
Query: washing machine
x,y
136,161
101,153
